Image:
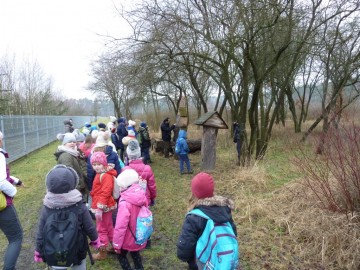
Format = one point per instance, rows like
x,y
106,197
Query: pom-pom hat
x,y
66,138
133,150
98,157
202,185
126,178
102,138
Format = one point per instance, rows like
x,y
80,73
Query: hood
x,y
218,208
182,134
111,170
135,194
121,120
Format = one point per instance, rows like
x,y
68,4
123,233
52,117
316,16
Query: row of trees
x,y
25,89
261,59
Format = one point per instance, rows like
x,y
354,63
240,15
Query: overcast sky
x,y
61,35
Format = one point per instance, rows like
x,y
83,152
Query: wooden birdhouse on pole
x,y
211,122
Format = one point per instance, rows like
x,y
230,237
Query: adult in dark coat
x,y
238,131
166,135
121,132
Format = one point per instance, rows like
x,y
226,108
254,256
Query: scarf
x,y
62,200
73,152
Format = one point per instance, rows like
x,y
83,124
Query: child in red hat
x,y
217,208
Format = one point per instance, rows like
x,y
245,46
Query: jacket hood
x,y
218,208
182,134
135,194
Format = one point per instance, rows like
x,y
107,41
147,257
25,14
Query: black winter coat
x,y
166,131
85,222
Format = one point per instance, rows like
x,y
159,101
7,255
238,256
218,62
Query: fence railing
x,y
26,133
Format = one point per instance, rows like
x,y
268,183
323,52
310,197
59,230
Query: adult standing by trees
x,y
122,132
9,221
166,135
238,130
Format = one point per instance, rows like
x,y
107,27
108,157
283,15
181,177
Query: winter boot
x,y
101,255
110,248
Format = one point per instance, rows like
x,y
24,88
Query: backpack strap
x,y
199,213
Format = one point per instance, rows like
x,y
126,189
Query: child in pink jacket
x,y
133,152
131,200
103,202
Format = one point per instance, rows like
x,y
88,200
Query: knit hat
x,y
127,177
98,157
132,123
202,185
66,138
87,124
133,150
112,119
80,137
61,179
102,138
102,126
131,132
143,124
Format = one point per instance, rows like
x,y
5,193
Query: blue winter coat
x,y
181,141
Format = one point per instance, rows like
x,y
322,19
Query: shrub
x,y
334,175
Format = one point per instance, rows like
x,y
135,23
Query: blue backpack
x,y
144,226
217,248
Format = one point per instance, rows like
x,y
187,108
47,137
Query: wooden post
x,y
208,148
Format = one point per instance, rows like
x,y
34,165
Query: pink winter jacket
x,y
129,206
147,174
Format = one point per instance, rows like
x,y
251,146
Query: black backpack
x,y
62,237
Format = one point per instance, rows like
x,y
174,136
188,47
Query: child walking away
x,y
65,223
208,236
103,202
131,200
182,150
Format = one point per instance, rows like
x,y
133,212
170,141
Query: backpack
x,y
116,188
144,225
139,138
178,146
217,247
62,237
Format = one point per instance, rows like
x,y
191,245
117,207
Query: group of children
x,y
115,198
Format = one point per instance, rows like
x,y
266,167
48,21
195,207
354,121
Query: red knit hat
x,y
202,185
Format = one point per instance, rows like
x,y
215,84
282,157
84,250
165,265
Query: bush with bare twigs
x,y
334,175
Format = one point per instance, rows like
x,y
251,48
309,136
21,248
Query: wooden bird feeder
x,y
211,122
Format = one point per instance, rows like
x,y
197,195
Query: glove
x,y
96,244
98,214
37,257
152,202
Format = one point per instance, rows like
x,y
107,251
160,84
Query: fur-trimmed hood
x,y
218,208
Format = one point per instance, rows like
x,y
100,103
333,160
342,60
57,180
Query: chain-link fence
x,y
26,133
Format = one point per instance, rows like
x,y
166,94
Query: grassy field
x,y
277,227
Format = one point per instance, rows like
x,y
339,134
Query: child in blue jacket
x,y
182,150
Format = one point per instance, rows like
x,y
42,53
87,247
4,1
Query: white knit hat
x,y
127,177
102,138
132,123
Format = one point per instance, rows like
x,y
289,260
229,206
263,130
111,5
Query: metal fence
x,y
26,133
